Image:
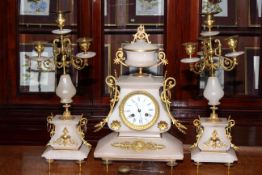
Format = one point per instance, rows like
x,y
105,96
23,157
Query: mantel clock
x,y
140,108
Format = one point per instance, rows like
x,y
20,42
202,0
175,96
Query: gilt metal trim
x,y
50,125
162,125
169,83
214,141
138,146
120,58
199,131
65,139
115,125
114,95
231,124
81,128
141,35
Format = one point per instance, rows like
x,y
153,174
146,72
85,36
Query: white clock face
x,y
139,110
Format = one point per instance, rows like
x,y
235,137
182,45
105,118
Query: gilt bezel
x,y
132,125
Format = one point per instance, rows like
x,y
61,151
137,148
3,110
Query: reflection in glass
x,y
256,60
35,74
36,21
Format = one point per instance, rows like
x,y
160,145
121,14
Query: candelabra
x,y
213,139
67,131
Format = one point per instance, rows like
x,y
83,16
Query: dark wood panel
x,y
181,26
3,51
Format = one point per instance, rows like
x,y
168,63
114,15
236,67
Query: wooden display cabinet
x,y
23,114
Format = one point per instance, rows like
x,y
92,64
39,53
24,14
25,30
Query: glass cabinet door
x,y
121,20
37,19
241,19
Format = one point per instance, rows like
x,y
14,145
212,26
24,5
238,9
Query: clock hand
x,y
139,110
140,119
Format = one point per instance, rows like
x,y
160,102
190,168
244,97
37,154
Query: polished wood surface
x,y
26,160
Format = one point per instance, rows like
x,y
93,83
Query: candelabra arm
x,y
225,63
169,83
67,44
218,49
78,63
56,49
114,95
119,59
229,64
57,52
197,67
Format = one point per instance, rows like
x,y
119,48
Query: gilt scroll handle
x,y
169,83
114,95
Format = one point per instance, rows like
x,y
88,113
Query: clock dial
x,y
139,110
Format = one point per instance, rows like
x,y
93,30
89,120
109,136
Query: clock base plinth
x,y
227,157
56,154
165,148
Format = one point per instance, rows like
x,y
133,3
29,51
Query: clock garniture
x,y
67,131
213,139
139,116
